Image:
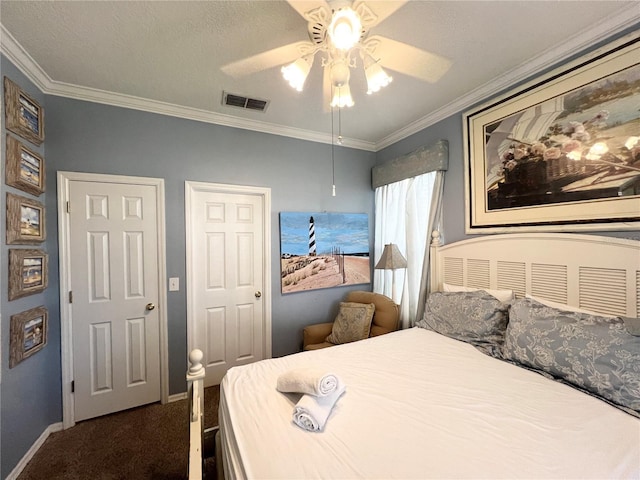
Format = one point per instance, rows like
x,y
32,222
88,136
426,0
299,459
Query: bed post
x,y
434,263
195,391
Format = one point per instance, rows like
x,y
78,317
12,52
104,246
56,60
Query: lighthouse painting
x,y
312,237
323,250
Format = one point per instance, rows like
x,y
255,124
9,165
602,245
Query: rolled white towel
x,y
311,412
314,381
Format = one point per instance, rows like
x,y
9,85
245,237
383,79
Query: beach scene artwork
x,y
29,169
33,334
323,250
32,272
29,221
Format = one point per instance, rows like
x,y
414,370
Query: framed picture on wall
x,y
25,220
323,250
24,168
28,334
24,116
561,153
28,272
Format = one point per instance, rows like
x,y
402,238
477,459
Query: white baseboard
x,y
176,397
54,427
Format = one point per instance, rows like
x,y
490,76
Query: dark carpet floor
x,y
149,442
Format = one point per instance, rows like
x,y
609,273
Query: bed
x,y
431,402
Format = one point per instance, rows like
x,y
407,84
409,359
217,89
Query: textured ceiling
x,y
166,56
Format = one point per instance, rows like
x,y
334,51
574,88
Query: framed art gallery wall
x,y
25,220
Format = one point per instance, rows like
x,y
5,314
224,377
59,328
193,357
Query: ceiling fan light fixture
x,y
296,73
342,97
340,73
345,29
377,78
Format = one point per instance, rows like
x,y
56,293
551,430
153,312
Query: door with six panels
x,y
114,287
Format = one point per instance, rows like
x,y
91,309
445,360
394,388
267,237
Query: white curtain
x,y
406,213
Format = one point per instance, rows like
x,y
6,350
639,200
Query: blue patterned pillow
x,y
595,353
474,317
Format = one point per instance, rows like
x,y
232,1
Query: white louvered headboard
x,y
596,273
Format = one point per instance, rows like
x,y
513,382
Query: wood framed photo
x,y
560,153
28,334
24,168
25,220
28,272
24,116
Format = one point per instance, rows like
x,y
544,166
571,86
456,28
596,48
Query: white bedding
x,y
421,405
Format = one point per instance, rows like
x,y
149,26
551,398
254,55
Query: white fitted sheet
x,y
421,405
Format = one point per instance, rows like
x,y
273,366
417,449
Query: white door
x,y
113,245
228,292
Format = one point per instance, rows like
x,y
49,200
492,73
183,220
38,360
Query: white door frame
x,y
190,187
66,338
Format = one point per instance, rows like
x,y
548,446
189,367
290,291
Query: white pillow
x,y
566,308
505,296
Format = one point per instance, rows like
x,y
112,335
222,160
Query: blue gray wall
x,y
89,137
31,392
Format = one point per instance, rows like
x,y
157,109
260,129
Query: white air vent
x,y
240,101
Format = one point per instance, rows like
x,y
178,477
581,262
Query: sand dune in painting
x,y
304,272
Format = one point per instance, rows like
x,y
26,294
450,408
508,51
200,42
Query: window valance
x,y
425,159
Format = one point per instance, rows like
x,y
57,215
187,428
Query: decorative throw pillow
x,y
563,306
593,352
352,323
632,325
474,317
504,296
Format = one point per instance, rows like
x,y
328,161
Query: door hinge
x,y
68,207
73,386
70,296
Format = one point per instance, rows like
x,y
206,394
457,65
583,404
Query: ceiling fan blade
x,y
407,59
269,59
304,6
380,10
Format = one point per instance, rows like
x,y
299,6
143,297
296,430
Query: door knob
x,y
150,306
258,294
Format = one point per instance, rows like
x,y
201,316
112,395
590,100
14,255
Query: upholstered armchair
x,y
385,319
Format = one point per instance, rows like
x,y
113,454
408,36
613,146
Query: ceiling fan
x,y
339,34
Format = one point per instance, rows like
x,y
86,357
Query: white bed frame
x,y
195,396
596,273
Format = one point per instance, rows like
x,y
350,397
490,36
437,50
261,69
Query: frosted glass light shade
x,y
296,73
342,97
345,29
376,78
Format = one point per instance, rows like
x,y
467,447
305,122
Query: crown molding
x,y
10,47
618,22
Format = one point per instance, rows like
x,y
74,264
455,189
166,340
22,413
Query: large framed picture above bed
x,y
561,153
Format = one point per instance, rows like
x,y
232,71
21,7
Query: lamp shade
x,y
391,258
